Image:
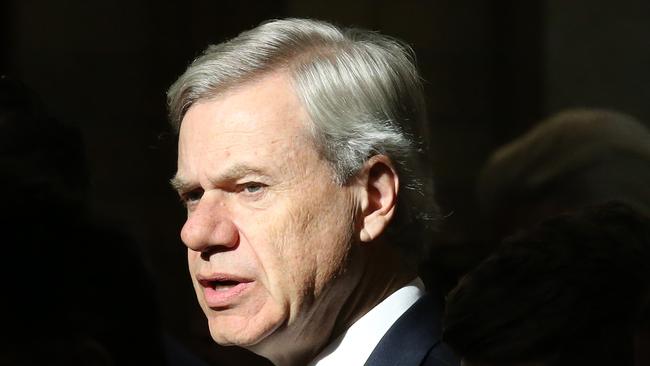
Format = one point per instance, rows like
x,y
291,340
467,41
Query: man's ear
x,y
379,184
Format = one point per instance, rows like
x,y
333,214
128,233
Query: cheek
x,y
192,262
281,247
332,239
287,263
311,247
332,245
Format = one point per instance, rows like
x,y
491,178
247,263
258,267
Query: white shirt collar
x,y
355,345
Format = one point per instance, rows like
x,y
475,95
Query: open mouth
x,y
221,291
220,285
221,282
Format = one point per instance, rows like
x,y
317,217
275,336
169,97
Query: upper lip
x,y
210,279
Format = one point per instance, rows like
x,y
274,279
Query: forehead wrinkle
x,y
238,132
238,170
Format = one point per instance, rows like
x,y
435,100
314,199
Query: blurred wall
x,y
598,55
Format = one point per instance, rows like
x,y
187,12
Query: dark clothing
x,y
414,339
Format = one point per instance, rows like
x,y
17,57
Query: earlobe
x,y
380,184
364,236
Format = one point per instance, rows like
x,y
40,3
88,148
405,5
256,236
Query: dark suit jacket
x,y
414,339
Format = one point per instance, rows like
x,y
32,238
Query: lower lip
x,y
225,296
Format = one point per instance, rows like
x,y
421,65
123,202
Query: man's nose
x,y
208,227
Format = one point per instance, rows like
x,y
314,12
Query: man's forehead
x,y
258,127
268,102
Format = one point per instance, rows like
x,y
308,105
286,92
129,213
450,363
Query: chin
x,y
231,330
239,340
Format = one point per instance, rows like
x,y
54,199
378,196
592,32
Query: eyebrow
x,y
178,184
232,173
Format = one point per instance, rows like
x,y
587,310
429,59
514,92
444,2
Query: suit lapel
x,y
412,336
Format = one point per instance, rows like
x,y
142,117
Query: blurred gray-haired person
x,y
303,183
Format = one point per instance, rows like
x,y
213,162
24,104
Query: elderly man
x,y
305,213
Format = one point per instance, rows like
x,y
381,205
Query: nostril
x,y
208,251
205,255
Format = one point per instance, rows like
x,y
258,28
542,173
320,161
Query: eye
x,y
191,197
253,187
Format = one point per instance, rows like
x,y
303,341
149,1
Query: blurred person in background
x,y
574,290
573,159
74,292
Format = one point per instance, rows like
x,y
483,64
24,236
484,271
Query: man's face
x,y
268,230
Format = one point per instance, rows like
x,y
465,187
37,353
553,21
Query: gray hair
x,y
361,90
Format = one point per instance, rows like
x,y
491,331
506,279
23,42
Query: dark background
x,y
492,69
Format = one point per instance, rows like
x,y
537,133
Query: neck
x,y
374,272
385,273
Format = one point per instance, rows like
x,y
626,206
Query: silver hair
x,y
361,90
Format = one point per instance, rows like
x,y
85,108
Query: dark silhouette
x,y
74,292
575,290
573,159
